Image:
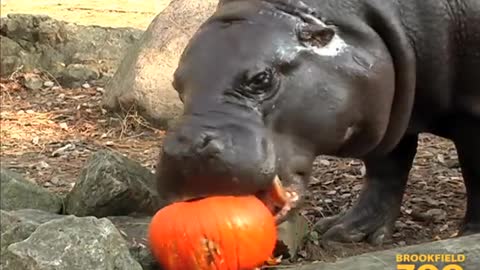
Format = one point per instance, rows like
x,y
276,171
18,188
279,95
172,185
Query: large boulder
x,y
11,56
113,185
72,53
18,193
19,225
143,79
71,243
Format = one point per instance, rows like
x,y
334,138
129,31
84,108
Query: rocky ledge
x,y
102,224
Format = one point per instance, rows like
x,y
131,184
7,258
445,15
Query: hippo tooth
x,y
278,193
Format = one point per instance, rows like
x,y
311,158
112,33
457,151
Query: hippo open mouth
x,y
278,199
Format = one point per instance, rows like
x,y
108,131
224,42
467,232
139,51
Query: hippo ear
x,y
315,34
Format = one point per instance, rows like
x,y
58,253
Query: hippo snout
x,y
202,158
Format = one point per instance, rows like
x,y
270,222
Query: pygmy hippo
x,y
269,85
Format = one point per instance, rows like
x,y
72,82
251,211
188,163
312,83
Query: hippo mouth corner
x,y
279,199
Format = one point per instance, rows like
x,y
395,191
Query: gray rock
x,y
291,234
9,47
11,223
72,243
33,82
18,193
13,230
34,215
19,225
75,75
134,231
9,62
40,42
112,185
143,79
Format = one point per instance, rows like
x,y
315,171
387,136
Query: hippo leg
x,y
374,214
466,138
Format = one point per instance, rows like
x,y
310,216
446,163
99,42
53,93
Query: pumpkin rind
x,y
215,233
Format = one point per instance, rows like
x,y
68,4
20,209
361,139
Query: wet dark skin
x,y
269,85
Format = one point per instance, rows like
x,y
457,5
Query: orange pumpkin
x,y
217,233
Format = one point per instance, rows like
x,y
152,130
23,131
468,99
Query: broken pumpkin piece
x,y
279,199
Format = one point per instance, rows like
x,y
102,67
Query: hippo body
x,y
270,85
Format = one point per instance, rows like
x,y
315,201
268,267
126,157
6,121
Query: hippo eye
x,y
261,81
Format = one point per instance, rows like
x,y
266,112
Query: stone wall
x,y
73,54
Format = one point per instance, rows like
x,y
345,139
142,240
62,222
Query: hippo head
x,y
266,88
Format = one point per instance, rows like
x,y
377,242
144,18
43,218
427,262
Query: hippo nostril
x,y
182,139
206,142
301,173
264,144
211,146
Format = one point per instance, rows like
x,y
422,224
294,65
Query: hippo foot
x,y
469,229
361,223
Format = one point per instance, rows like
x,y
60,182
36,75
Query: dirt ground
x,y
48,134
